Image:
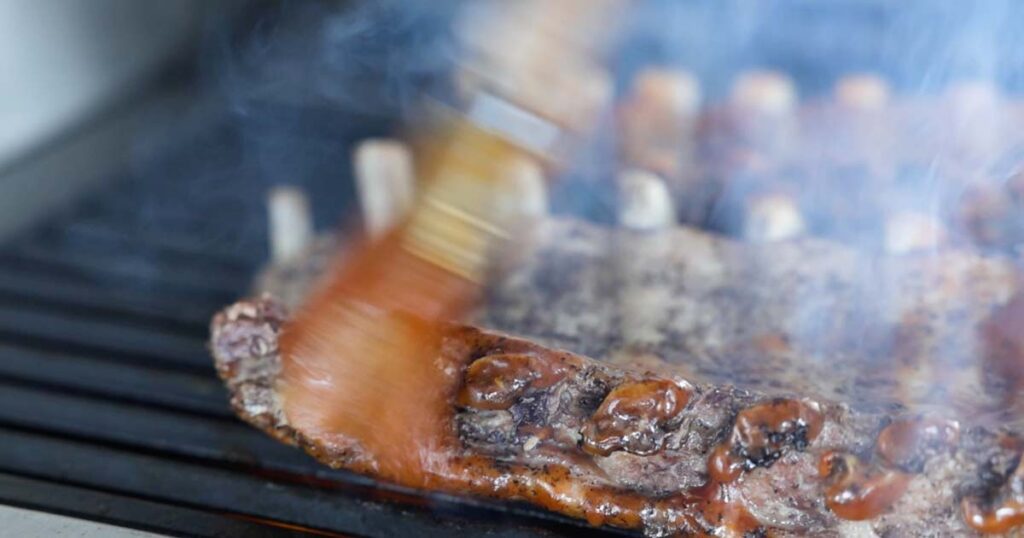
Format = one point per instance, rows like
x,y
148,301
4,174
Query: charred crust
x,y
765,432
243,342
994,472
486,429
636,416
531,409
991,460
587,390
795,437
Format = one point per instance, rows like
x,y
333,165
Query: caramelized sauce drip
x,y
856,491
632,417
555,488
1000,514
719,507
723,467
995,519
730,516
496,381
761,434
720,510
419,447
905,443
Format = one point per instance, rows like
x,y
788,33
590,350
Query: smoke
x,y
918,197
304,81
919,45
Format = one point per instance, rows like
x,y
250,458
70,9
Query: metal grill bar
x,y
53,282
157,254
356,509
230,250
39,289
214,439
127,270
144,345
129,511
109,405
174,390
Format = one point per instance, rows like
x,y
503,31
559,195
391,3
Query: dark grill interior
x,y
109,405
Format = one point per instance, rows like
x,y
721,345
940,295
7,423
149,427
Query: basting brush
x,y
357,356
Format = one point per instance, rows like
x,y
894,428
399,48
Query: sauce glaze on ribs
x,y
860,394
660,453
857,379
807,316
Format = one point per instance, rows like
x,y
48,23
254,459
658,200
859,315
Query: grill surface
x,y
109,406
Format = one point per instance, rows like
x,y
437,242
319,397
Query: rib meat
x,y
806,316
792,389
661,453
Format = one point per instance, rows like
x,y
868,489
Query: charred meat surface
x,y
661,453
804,316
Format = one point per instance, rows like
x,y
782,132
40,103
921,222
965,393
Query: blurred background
x,y
281,89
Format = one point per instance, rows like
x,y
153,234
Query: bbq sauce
x,y
905,443
723,467
496,381
720,510
1001,518
857,491
997,513
632,417
357,361
500,379
555,488
763,432
759,437
730,516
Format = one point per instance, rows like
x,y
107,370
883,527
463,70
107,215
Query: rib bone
x,y
912,231
384,182
764,92
291,226
646,204
773,217
526,194
658,120
862,92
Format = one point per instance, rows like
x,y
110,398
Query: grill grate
x,y
109,405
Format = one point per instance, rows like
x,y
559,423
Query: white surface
x,y
646,203
18,522
291,224
385,183
60,59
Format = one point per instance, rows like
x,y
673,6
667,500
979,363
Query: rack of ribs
x,y
642,449
788,377
712,399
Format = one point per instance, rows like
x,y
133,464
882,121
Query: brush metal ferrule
x,y
514,123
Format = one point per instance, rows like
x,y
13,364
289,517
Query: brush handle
x,y
434,264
